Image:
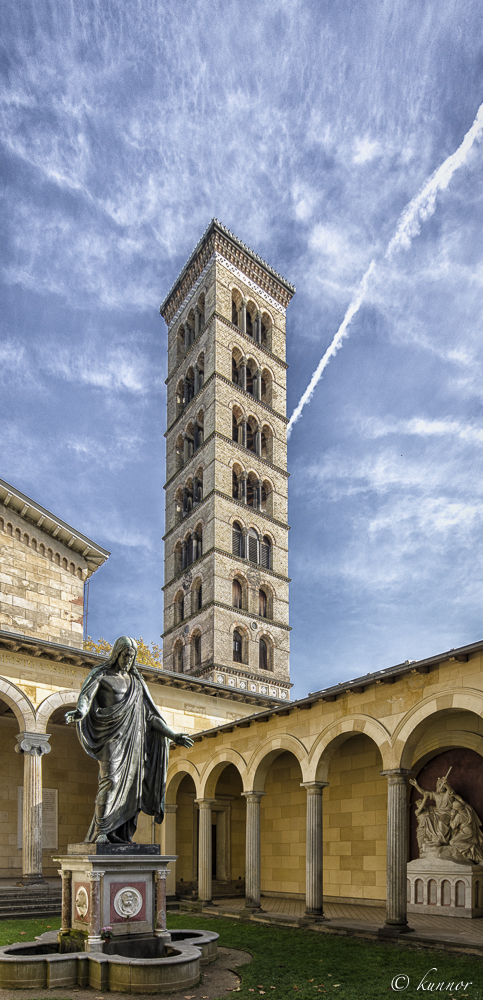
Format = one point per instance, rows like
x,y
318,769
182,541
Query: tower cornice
x,y
217,238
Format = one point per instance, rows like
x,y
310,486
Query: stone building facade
x,y
226,548
44,566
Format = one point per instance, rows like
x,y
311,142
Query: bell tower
x,y
226,543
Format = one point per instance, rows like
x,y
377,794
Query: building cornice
x,y
269,622
224,552
246,673
223,378
40,648
231,326
217,238
224,496
42,519
355,687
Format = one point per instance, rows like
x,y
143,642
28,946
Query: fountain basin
x,y
126,965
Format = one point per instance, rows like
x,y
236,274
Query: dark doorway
x,y
213,850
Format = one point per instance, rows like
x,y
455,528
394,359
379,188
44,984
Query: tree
x,y
149,656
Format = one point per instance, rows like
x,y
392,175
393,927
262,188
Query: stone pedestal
x,y
120,886
445,887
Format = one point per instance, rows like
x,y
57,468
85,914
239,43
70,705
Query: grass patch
x,y
294,962
26,930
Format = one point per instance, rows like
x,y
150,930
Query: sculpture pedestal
x,y
444,887
117,886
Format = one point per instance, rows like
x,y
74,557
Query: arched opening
x,y
237,595
178,657
266,331
186,838
262,603
237,646
266,553
236,306
228,825
196,650
237,539
282,828
180,342
179,397
197,596
253,546
179,607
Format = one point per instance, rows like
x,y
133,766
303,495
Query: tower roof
x,y
217,238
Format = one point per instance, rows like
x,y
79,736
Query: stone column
x,y
252,862
242,374
258,489
397,853
258,442
258,383
184,548
196,378
32,746
66,921
244,316
204,852
242,437
314,880
197,322
169,829
258,329
245,542
94,940
161,931
186,449
243,486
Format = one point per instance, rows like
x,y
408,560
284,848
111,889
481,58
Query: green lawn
x,y
288,962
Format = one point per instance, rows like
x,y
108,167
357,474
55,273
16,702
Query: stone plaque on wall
x,y
50,820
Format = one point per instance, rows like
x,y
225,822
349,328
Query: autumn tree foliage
x,y
149,656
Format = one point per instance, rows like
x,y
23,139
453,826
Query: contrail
x,y
420,208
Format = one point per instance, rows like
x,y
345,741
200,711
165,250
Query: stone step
x,y
17,902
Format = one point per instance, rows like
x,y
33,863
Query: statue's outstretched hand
x,y
73,716
183,740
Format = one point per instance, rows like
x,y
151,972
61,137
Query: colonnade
x,y
397,850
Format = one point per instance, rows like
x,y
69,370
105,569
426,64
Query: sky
x,y
307,127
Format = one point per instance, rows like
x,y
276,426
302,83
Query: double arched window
x,y
254,549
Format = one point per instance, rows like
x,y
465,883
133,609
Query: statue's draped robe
x,y
132,756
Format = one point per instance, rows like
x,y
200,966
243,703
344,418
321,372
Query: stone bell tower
x,y
226,542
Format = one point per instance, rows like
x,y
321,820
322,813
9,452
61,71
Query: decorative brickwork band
x,y
397,852
253,863
314,880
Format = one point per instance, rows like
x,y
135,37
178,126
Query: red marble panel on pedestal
x,y
116,887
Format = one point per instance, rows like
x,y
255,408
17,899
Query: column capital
x,y
314,787
33,744
169,807
162,873
253,796
397,775
205,803
65,873
94,876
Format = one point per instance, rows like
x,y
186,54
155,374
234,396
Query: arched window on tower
x,y
196,650
237,646
266,552
178,658
263,655
237,594
253,546
262,604
237,540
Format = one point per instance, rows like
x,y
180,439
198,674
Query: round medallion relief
x,y
128,901
82,901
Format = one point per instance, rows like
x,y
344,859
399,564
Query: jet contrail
x,y
420,208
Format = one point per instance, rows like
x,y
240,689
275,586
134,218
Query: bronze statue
x,y
119,725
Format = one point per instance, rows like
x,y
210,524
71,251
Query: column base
x,y
249,908
164,935
94,943
205,902
394,930
28,880
314,918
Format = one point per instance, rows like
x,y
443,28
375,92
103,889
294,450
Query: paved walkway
x,y
448,933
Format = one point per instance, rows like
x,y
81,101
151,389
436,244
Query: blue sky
x,y
306,128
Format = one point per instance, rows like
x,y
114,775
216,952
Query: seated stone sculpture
x,y
450,829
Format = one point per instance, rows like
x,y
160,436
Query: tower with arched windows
x,y
226,542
